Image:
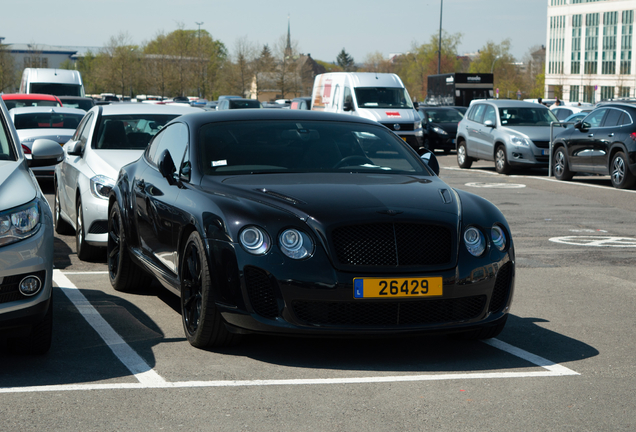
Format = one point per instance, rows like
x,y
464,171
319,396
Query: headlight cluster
x,y
19,223
440,131
293,243
101,186
476,242
519,141
417,125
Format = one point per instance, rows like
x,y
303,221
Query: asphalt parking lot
x,y
564,362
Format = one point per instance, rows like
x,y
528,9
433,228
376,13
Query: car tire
x,y
124,275
85,252
481,333
501,160
560,165
463,160
622,177
202,322
38,342
61,226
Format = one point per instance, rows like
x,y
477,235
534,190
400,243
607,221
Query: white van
x,y
377,96
58,82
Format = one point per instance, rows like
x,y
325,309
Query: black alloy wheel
x,y
463,160
622,177
501,160
202,322
560,165
85,252
124,275
61,226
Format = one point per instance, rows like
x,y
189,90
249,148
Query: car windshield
x,y
129,132
46,120
526,116
6,149
57,89
444,116
255,147
17,103
382,97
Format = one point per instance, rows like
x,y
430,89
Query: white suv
x,y
510,133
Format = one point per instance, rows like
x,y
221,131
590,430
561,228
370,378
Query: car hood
x,y
17,186
109,162
333,198
56,134
535,133
386,115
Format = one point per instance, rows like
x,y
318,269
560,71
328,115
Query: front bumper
x,y
95,212
531,155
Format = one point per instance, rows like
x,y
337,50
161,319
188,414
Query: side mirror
x,y
45,152
416,105
347,106
75,149
490,124
430,159
166,167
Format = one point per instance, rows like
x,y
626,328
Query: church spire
x,y
288,48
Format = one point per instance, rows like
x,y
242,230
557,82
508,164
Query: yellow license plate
x,y
404,138
391,288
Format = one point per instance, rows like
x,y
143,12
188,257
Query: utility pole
x,y
439,49
200,66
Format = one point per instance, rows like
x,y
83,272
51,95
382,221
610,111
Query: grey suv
x,y
510,133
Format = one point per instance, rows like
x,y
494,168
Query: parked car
x,y
510,133
108,137
21,100
237,103
26,243
440,124
297,222
84,103
563,112
604,142
301,103
53,123
575,118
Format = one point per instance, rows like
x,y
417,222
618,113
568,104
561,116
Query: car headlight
x,y
475,241
519,141
440,131
101,186
498,237
19,223
295,244
255,240
417,125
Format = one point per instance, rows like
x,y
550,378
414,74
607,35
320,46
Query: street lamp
x,y
493,63
439,48
199,49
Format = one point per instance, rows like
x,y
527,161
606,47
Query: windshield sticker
x,y
219,163
393,114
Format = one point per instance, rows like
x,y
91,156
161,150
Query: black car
x,y
301,103
440,124
604,142
306,223
237,103
84,103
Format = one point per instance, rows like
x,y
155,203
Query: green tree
x,y
7,70
496,58
345,61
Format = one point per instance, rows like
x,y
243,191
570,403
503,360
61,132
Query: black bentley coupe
x,y
306,223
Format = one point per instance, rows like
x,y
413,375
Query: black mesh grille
x,y
403,126
542,144
261,292
502,288
99,227
389,314
9,290
388,244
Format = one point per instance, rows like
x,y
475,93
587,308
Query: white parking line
x,y
149,379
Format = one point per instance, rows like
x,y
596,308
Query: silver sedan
x,y
108,137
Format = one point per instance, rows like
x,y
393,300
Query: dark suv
x,y
604,142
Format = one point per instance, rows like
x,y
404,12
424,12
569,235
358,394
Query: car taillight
x,y
25,149
633,136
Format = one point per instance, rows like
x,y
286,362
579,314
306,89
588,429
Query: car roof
x,y
143,108
508,103
29,96
45,109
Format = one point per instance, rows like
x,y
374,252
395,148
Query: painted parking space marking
x,y
149,379
596,241
496,185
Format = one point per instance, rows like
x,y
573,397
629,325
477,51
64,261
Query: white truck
x,y
377,96
58,82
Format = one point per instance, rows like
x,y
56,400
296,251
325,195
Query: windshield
x,y
129,132
442,115
256,147
57,89
526,116
47,120
383,97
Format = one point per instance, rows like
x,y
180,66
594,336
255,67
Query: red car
x,y
20,100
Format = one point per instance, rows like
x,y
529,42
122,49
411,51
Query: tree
x,y
7,69
497,59
287,77
117,65
241,72
345,61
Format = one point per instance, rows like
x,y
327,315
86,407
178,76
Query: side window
x,y
613,118
80,127
626,119
595,118
490,114
477,113
347,95
84,134
562,114
173,138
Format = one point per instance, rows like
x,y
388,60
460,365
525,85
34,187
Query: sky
x,y
321,28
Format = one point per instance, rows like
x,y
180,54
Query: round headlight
x,y
254,240
498,237
475,241
295,244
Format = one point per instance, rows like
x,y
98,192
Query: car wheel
x,y
61,226
501,161
38,342
560,165
202,322
463,160
124,274
481,333
622,177
85,252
